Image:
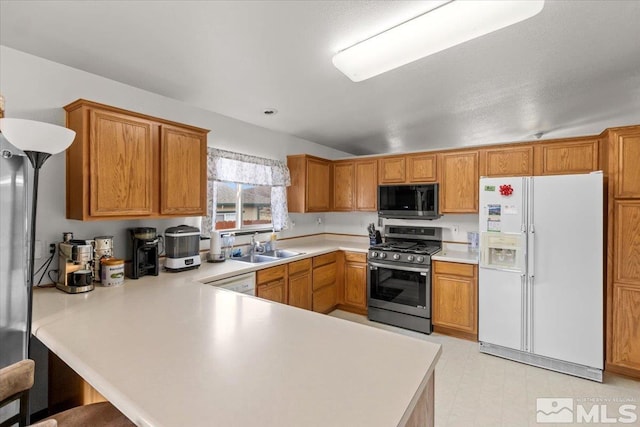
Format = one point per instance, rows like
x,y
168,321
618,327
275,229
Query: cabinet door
x,y
121,169
625,348
183,174
325,299
343,186
459,182
273,291
627,243
626,163
507,161
392,170
318,189
454,304
421,168
300,291
355,284
367,185
570,157
324,276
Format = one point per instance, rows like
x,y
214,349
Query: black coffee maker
x,y
144,252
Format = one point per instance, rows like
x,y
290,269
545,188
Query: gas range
x,y
407,245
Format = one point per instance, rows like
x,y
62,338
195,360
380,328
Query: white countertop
x,y
464,257
170,351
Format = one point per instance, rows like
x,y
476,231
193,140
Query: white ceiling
x,y
572,69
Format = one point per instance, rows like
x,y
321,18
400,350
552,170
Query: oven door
x,y
404,289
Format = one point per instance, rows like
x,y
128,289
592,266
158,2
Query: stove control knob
x,y
420,259
410,258
374,254
396,256
383,255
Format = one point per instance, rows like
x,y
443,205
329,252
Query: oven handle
x,y
375,266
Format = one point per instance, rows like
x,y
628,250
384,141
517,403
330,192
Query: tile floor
x,y
475,389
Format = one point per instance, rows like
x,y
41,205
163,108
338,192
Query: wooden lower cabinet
x,y
355,282
271,284
455,299
324,284
300,284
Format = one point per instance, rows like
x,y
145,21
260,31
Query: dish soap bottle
x,y
273,240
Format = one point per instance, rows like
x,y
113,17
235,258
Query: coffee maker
x,y
75,265
143,252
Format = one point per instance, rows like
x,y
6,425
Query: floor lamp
x,y
39,141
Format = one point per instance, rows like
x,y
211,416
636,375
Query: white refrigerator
x,y
541,282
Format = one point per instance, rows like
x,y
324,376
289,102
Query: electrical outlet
x,y
38,249
52,248
454,229
319,220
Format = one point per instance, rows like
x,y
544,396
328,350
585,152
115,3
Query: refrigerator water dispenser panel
x,y
503,251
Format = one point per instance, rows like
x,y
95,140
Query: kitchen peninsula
x,y
172,351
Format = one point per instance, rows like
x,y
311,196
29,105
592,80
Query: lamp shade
x,y
30,135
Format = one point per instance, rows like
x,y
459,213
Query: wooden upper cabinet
x,y
366,188
120,165
421,168
125,165
507,161
459,182
624,155
183,172
343,185
310,189
573,156
391,170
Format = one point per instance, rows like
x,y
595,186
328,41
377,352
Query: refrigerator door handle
x,y
530,314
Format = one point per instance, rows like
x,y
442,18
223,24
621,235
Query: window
x,y
245,192
242,206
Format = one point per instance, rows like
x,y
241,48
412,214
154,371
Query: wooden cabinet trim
x,y
270,274
422,168
392,170
355,257
300,267
324,259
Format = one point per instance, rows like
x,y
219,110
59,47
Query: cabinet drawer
x,y
355,257
325,299
270,274
454,268
324,276
297,267
324,259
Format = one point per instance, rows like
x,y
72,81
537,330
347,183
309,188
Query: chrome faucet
x,y
256,246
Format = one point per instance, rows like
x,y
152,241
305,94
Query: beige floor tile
x,y
475,389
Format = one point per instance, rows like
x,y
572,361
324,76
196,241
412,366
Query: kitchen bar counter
x,y
171,351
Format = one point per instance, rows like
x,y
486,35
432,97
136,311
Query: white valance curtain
x,y
244,169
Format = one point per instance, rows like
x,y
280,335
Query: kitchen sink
x,y
255,259
282,253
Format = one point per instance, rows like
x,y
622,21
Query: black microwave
x,y
408,201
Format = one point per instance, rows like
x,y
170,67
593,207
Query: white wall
x,y
454,227
37,89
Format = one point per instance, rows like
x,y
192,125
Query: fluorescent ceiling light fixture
x,y
451,24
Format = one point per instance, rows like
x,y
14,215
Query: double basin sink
x,y
269,256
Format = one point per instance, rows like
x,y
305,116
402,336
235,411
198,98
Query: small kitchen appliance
x,y
143,252
103,249
182,248
75,266
399,279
